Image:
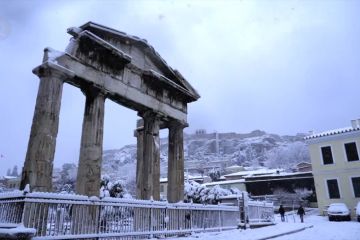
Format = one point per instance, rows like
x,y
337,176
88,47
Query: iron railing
x,y
64,216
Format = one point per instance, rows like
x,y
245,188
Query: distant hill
x,y
206,151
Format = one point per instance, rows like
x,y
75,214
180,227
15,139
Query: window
x,y
327,155
356,186
351,151
333,188
161,188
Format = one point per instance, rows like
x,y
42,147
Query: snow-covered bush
x,y
214,174
197,193
67,188
117,190
113,189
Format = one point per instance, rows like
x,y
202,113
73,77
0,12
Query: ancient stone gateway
x,y
107,64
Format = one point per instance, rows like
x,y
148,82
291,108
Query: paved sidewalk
x,y
280,229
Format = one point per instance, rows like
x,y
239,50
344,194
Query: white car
x,y
338,211
358,211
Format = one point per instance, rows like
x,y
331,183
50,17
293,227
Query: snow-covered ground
x,y
314,227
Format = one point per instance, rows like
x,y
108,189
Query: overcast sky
x,y
280,66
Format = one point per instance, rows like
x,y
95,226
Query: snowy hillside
x,y
217,150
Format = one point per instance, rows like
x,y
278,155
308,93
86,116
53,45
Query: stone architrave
x,y
175,191
38,166
89,170
150,172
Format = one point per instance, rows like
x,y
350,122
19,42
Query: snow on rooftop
x,y
9,177
261,171
234,166
285,174
332,132
224,182
187,177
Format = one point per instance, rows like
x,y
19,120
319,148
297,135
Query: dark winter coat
x,y
281,210
301,211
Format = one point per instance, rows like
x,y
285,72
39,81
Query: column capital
x,y
148,114
92,91
176,124
49,68
139,127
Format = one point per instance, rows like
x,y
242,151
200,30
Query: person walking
x,y
301,213
282,213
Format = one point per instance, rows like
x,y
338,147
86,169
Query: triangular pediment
x,y
142,55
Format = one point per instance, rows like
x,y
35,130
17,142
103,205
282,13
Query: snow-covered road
x,y
316,227
324,230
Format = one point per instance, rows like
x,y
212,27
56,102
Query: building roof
x,y
224,182
187,177
265,177
234,167
332,132
8,177
261,171
281,174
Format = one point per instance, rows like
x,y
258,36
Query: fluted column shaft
x,y
38,166
175,188
89,170
149,175
139,134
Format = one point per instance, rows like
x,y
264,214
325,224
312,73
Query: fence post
x,y
246,206
151,217
191,217
99,212
220,223
24,210
243,210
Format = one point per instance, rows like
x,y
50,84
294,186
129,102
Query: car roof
x,y
334,204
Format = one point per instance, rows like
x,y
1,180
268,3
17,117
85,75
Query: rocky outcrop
x,y
205,151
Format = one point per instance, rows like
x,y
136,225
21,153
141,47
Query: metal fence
x,y
260,212
289,201
63,216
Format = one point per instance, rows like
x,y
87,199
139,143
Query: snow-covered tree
x,y
2,187
214,174
287,156
130,186
281,194
66,178
303,193
8,173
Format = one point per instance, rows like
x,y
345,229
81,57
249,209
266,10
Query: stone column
x,y
38,166
175,188
89,170
139,134
150,173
